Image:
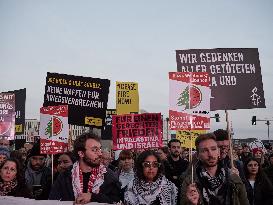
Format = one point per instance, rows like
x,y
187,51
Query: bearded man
x,y
214,184
88,180
175,165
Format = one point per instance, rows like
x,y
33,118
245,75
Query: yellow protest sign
x,y
184,137
93,121
127,99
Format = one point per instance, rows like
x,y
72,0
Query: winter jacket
x,y
236,192
21,191
269,172
45,181
262,194
109,191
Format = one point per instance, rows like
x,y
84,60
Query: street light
x,y
254,122
217,117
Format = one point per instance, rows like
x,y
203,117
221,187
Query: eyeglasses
x,y
151,164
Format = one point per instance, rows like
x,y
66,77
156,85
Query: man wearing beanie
x,y
4,153
37,175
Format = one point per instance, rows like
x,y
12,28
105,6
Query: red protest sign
x,y
7,115
54,129
137,131
189,101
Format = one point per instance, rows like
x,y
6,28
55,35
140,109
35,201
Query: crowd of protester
x,y
216,172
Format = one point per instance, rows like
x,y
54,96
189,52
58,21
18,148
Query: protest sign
x,y
20,104
127,99
236,80
189,101
107,131
137,131
7,115
86,97
54,129
187,138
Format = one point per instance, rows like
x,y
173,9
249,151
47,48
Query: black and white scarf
x,y
214,188
141,192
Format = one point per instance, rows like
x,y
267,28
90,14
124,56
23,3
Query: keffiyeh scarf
x,y
6,187
213,187
141,192
95,181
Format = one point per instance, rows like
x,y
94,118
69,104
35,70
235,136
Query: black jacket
x,y
109,190
269,172
45,183
262,194
175,169
21,190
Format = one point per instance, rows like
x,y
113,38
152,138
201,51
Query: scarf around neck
x,y
7,187
95,181
141,192
33,177
213,189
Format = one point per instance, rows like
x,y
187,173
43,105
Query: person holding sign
x,y
214,181
88,180
150,186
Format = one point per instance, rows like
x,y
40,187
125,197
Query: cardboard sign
x,y
7,115
187,138
127,99
189,101
54,129
137,131
236,80
86,97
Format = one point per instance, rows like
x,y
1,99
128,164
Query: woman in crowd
x,y
259,155
126,167
150,186
64,161
163,153
259,188
11,180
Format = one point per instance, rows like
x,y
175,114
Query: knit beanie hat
x,y
35,151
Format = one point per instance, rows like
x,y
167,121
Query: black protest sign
x,y
86,97
20,107
236,80
107,131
